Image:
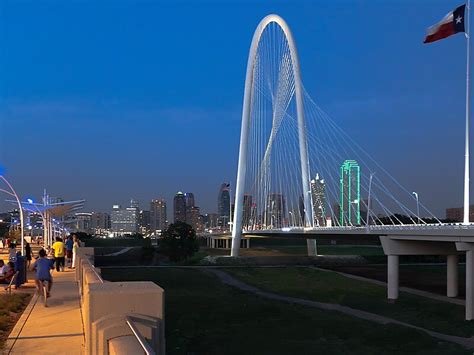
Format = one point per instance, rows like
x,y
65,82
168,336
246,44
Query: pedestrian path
x,y
56,329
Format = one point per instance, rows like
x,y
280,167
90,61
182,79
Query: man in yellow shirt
x,y
59,252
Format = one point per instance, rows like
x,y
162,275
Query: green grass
x,y
10,307
327,286
203,316
117,242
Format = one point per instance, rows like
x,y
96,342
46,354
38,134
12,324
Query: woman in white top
x,y
74,250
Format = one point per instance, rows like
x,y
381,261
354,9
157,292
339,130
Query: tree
x,y
179,242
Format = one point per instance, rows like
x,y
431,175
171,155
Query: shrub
x,y
179,242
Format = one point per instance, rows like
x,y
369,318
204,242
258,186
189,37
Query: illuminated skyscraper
x,y
179,207
349,213
223,205
189,197
318,195
124,220
134,204
275,211
100,222
247,213
157,215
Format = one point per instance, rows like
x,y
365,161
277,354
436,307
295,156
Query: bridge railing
x,y
372,227
108,308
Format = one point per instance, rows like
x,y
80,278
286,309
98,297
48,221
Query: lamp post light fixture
x,y
417,205
43,217
13,194
369,203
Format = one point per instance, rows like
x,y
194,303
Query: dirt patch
x,y
11,308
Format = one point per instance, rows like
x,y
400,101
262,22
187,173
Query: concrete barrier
x,y
119,316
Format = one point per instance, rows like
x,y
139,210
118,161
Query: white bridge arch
x,y
246,115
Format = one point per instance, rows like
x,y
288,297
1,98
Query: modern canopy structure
x,y
51,211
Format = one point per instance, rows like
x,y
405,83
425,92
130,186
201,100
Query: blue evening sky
x,y
108,100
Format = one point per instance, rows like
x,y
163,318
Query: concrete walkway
x,y
231,281
56,329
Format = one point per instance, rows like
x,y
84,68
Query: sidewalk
x,y
56,329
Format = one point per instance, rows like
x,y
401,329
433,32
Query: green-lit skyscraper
x,y
349,211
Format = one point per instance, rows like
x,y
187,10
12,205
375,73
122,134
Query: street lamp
x,y
417,205
13,194
230,209
43,217
368,203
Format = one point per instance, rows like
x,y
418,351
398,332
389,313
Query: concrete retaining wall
x,y
107,306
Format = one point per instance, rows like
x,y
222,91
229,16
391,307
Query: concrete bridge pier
x,y
452,288
469,282
392,276
312,248
395,246
469,249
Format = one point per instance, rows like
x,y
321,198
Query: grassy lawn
x,y
11,307
330,250
326,286
430,278
203,316
301,250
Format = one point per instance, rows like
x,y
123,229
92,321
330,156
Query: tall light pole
x,y
13,194
230,209
43,217
417,206
368,203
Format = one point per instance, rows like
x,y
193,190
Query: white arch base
x,y
241,172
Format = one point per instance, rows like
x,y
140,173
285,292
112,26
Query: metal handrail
x,y
143,342
97,274
93,268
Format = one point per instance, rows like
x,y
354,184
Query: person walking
x,y
75,245
28,253
69,246
42,266
59,252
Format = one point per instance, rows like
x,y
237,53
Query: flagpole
x,y
466,156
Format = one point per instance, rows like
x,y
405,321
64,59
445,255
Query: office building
x,y
275,211
83,222
179,207
247,212
223,205
192,217
144,221
100,222
124,220
456,214
189,198
318,197
349,214
158,217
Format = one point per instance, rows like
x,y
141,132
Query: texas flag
x,y
451,24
